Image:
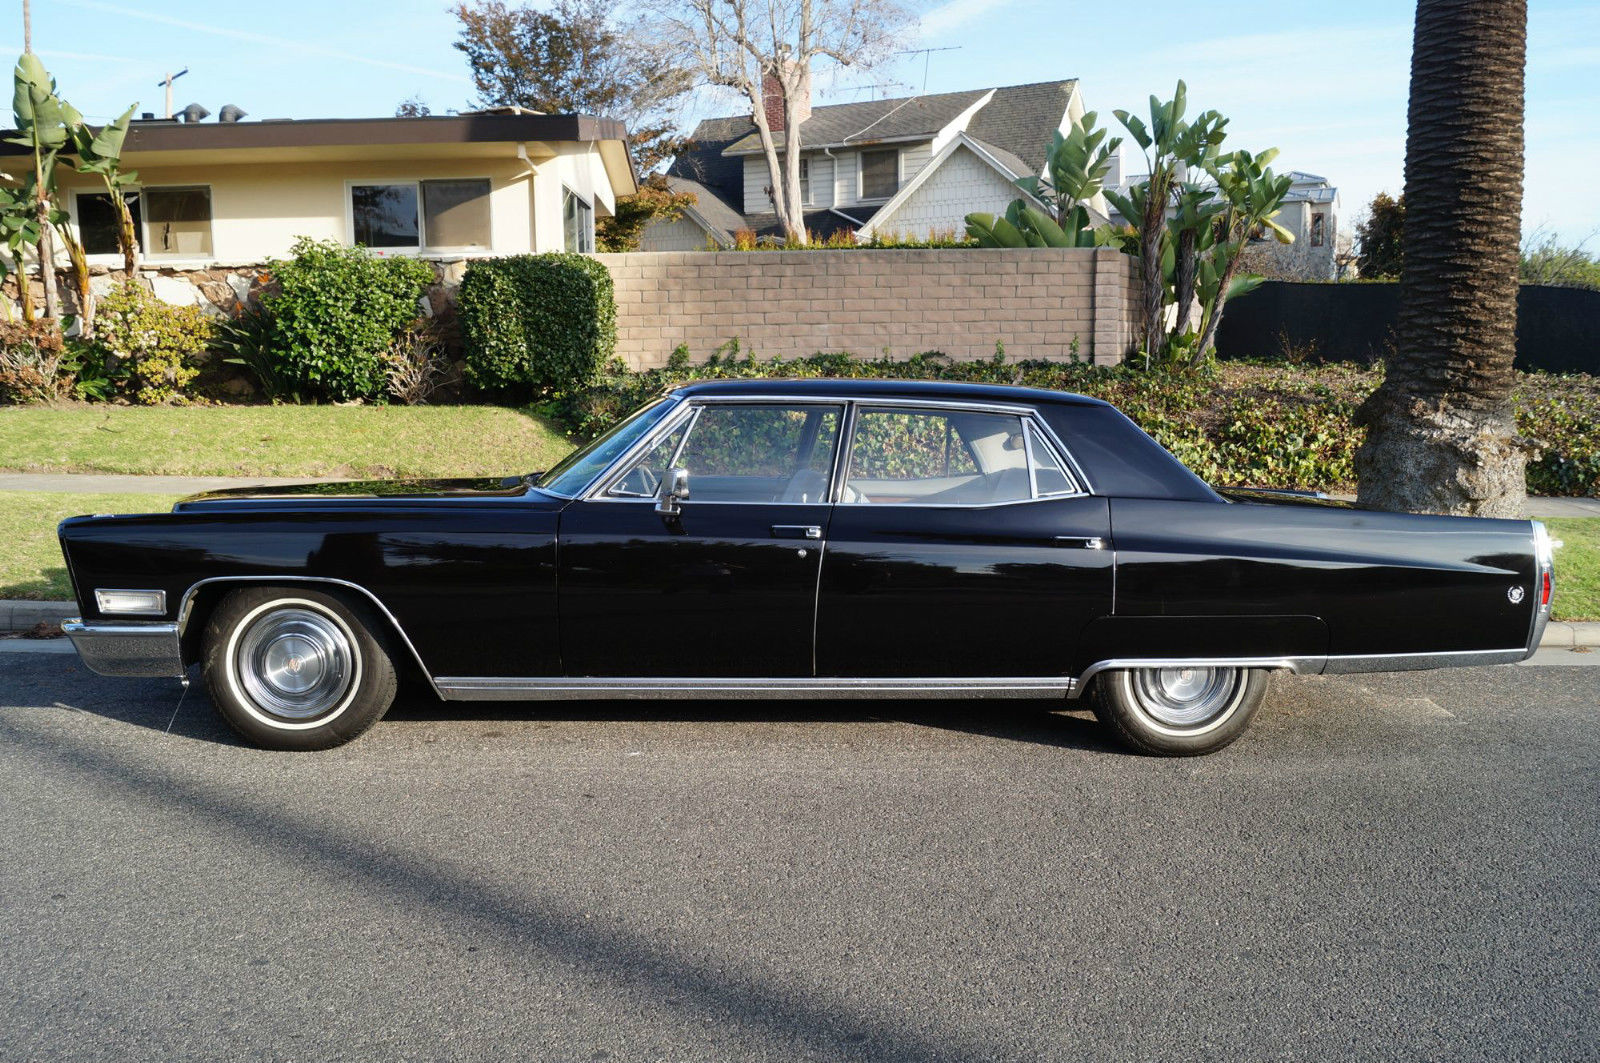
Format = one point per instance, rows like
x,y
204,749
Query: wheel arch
x,y
202,597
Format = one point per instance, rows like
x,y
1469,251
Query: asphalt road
x,y
1401,867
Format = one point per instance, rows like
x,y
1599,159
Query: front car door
x,y
727,587
962,546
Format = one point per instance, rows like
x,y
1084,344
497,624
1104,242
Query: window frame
x,y
99,258
861,174
422,249
806,199
588,206
1033,426
1318,236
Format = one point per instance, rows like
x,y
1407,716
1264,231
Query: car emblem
x,y
1516,595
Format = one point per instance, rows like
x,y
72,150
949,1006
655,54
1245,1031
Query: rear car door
x,y
962,546
725,588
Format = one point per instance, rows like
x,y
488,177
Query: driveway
x,y
1384,866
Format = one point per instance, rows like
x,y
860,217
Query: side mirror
x,y
673,491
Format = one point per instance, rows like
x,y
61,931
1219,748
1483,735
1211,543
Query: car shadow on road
x,y
1040,722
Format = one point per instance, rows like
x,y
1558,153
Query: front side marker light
x,y
131,603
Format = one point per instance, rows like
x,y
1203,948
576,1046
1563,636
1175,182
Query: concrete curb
x,y
25,615
22,615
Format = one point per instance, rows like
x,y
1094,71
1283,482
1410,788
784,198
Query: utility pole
x,y
167,81
27,27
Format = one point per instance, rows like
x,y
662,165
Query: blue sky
x,y
1326,83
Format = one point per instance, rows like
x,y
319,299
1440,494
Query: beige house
x,y
218,194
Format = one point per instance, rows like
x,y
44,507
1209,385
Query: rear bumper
x,y
128,648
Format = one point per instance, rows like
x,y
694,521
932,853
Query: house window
x,y
97,222
456,213
577,222
177,222
385,215
880,174
805,181
413,215
1318,229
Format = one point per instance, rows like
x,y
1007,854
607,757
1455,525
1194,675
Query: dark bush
x,y
323,333
537,325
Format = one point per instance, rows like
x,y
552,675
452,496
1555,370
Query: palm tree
x,y
1440,433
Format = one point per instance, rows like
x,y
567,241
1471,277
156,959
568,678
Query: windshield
x,y
578,469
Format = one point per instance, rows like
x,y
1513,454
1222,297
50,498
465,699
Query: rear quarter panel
x,y
1382,583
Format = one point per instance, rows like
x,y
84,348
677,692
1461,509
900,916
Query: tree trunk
x,y
1152,243
1440,433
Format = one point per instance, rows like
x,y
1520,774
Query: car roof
x,y
948,390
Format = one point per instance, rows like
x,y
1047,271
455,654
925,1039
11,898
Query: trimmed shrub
x,y
336,311
537,324
156,344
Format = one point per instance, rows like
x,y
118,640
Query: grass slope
x,y
32,566
311,441
1577,568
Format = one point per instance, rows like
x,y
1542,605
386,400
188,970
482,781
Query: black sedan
x,y
802,539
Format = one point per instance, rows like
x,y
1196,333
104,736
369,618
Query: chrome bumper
x,y
127,649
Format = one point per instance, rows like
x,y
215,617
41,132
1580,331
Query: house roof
x,y
435,133
709,211
1012,127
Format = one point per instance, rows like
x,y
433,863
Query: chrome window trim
x,y
596,490
188,601
673,401
618,469
1030,419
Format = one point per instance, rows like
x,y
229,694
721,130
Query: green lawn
x,y
1577,568
31,567
310,441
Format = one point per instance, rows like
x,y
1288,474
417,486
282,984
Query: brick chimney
x,y
772,97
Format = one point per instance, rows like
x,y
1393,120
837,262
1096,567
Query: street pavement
x,y
1384,867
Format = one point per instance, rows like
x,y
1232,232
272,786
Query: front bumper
x,y
128,648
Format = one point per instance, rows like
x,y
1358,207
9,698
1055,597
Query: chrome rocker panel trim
x,y
127,649
538,688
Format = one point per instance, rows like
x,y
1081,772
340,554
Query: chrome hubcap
x,y
1185,697
295,663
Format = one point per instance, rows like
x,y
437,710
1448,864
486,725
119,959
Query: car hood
x,y
366,490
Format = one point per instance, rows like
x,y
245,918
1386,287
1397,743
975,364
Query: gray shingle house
x,y
907,167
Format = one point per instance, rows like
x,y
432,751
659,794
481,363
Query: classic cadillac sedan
x,y
802,539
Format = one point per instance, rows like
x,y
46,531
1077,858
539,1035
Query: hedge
x,y
1238,424
537,324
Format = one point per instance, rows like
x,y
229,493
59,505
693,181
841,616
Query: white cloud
x,y
957,13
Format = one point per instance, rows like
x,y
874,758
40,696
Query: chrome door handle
x,y
1086,542
796,531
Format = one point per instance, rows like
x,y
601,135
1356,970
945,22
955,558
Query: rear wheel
x,y
1178,712
296,669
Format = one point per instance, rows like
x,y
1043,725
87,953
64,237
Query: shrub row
x,y
536,324
1238,424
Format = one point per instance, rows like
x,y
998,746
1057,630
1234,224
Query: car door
x,y
727,586
961,546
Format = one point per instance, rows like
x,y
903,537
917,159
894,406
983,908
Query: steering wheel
x,y
639,480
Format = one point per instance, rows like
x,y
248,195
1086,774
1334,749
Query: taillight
x,y
1544,594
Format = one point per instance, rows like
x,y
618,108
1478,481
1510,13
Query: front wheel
x,y
296,669
1178,712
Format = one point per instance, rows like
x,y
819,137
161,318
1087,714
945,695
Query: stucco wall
x,y
258,210
796,303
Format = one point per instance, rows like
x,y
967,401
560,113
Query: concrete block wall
x,y
795,303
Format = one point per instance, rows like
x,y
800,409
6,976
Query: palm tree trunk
x,y
1440,433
